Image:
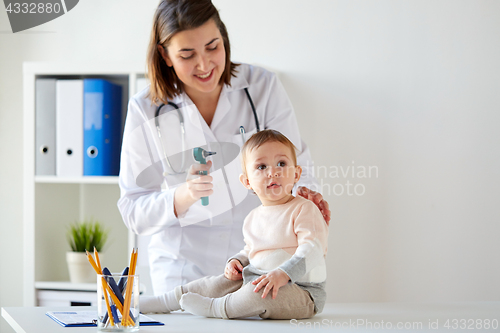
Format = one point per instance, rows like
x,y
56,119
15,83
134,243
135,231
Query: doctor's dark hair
x,y
171,17
264,136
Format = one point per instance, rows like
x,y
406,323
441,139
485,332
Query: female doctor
x,y
210,107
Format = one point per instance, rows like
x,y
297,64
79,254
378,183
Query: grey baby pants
x,y
292,302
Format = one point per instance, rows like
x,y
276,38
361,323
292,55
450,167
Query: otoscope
x,y
200,155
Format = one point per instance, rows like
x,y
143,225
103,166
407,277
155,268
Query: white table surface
x,y
341,317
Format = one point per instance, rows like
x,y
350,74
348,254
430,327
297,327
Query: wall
x,y
407,87
107,31
410,87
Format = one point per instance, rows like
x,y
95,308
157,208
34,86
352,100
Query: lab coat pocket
x,y
240,139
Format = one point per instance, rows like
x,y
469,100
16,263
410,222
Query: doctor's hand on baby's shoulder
x,y
317,198
196,186
274,280
233,270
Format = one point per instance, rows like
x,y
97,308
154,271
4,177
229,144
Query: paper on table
x,y
88,318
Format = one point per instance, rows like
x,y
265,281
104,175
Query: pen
x,y
108,288
112,284
115,315
116,289
242,132
123,280
121,286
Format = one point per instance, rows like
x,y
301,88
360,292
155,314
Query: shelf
x,y
51,202
69,286
86,68
77,180
65,285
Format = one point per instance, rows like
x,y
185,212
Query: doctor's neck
x,y
206,102
201,98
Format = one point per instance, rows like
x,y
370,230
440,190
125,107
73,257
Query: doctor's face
x,y
271,173
198,57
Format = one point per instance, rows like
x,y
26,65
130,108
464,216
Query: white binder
x,y
69,128
45,142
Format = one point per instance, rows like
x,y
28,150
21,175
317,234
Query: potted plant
x,y
83,236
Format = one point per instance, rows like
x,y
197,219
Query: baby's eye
x,y
261,167
281,164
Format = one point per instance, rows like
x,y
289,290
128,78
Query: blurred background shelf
x,y
77,180
51,203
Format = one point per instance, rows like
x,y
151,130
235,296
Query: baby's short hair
x,y
264,136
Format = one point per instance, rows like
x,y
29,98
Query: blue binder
x,y
101,127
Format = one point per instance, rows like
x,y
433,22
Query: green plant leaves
x,y
86,235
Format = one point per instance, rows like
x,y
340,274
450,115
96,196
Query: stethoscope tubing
x,y
183,130
253,110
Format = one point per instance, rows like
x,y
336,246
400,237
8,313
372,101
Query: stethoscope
x,y
183,132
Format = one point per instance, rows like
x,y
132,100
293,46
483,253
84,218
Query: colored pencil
x,y
103,282
129,289
115,299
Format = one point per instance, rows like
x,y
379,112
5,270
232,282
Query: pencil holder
x,y
117,303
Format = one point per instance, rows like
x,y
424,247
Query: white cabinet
x,y
51,203
66,294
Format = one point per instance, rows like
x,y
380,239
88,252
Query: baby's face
x,y
271,173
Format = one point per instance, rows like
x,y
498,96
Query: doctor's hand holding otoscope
x,y
198,183
200,155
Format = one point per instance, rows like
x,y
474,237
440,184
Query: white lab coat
x,y
198,243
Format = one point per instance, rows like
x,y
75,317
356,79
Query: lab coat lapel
x,y
237,83
222,109
196,118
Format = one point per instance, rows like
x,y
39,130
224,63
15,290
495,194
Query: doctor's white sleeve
x,y
144,207
279,115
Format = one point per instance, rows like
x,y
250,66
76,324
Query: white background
x,y
411,87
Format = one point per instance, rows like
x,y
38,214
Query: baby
x,y
281,272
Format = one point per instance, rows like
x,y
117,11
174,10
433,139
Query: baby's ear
x,y
298,172
245,182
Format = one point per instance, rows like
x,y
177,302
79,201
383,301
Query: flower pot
x,y
80,270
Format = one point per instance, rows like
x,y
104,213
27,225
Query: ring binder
x,y
45,104
69,128
102,127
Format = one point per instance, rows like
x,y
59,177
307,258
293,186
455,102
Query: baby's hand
x,y
233,270
274,280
